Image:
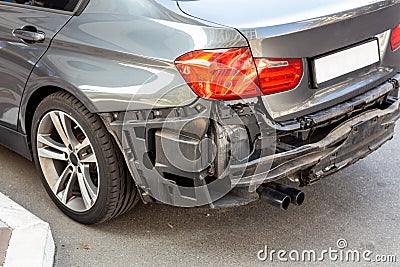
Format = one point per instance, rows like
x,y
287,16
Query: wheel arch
x,y
32,98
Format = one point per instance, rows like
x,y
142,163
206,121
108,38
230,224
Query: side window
x,y
65,5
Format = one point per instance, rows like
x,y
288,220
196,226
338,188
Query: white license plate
x,y
338,64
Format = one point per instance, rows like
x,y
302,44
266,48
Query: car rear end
x,y
210,103
350,75
305,98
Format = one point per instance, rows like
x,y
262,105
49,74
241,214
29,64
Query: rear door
x,y
26,29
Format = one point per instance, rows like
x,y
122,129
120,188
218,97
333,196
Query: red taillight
x,y
395,38
220,74
279,75
228,74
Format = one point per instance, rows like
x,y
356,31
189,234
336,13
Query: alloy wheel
x,y
68,161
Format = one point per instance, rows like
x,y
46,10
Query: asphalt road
x,y
360,204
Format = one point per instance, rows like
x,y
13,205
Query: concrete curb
x,y
31,242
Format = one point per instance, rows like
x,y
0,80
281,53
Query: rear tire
x,y
81,167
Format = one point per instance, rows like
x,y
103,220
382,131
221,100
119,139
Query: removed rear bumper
x,y
164,147
348,143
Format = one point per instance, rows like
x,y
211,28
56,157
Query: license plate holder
x,y
339,63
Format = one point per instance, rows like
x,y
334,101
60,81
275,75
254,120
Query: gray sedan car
x,y
194,103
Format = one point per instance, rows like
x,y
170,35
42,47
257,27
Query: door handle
x,y
29,34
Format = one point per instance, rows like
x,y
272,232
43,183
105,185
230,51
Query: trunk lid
x,y
260,13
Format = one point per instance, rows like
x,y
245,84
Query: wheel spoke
x,y
86,156
87,200
90,158
67,127
45,139
65,176
85,143
60,124
68,189
92,189
45,152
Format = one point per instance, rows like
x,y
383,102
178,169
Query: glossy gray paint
x,y
18,58
108,57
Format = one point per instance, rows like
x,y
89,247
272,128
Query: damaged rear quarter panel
x,y
123,58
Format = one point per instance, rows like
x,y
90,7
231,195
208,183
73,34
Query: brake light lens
x,y
279,75
220,74
395,38
228,74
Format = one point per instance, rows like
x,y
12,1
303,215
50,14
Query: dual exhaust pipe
x,y
281,196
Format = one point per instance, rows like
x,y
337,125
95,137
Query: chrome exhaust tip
x,y
275,198
297,197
